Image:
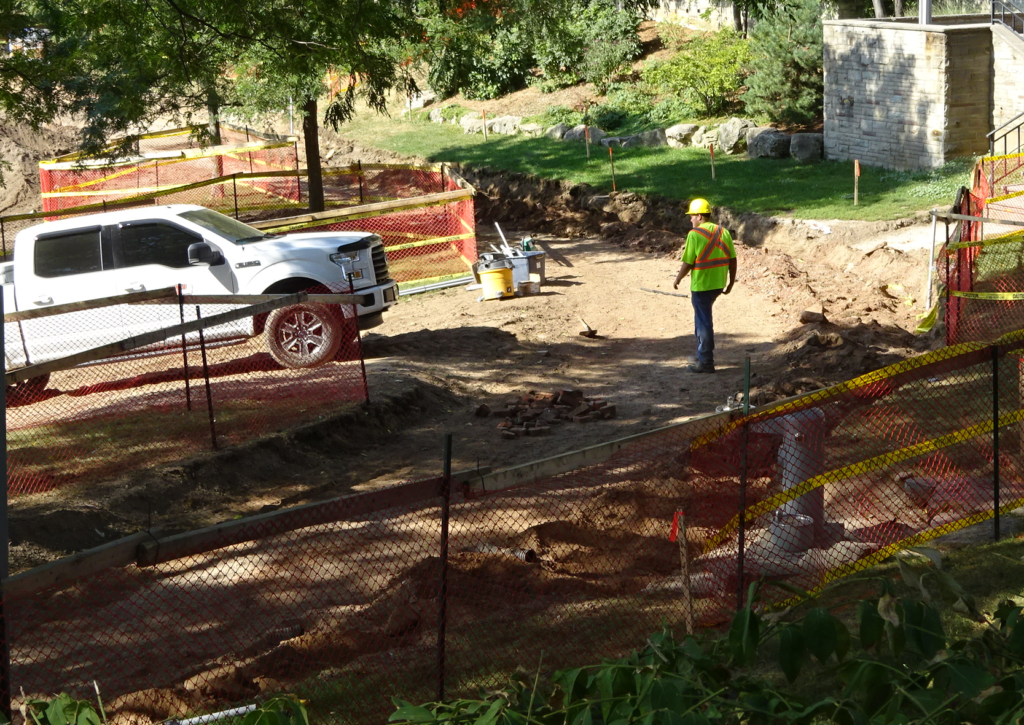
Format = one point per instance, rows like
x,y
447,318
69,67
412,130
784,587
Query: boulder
x,y
616,140
680,134
732,135
806,147
765,142
531,129
435,115
576,134
597,135
557,131
470,117
704,136
505,125
652,138
472,125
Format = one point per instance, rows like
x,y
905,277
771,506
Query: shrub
x,y
633,98
480,64
787,82
562,114
707,73
670,111
611,41
608,117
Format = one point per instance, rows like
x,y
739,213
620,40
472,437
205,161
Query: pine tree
x,y
787,81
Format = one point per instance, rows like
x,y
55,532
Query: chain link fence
x,y
427,587
129,382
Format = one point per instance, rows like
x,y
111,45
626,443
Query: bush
x,y
787,81
670,111
608,117
480,64
562,114
592,45
707,73
633,98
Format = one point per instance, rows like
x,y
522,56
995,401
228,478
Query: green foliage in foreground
x,y
65,710
896,666
767,186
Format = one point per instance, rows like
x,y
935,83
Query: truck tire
x,y
303,336
28,390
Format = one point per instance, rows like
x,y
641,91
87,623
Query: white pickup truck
x,y
114,253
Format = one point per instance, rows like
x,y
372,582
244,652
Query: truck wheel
x,y
303,336
28,390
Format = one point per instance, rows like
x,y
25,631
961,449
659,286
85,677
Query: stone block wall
x,y
906,96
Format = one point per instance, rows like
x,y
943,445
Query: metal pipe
x,y
206,375
442,597
5,538
995,440
742,533
184,349
213,717
931,263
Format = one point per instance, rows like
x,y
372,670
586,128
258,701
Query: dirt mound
x,y
21,149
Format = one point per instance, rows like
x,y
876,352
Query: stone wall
x,y
906,96
1007,63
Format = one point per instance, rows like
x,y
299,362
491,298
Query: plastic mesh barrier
x,y
141,408
341,601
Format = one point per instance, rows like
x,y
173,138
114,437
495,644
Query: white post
x,y
924,12
931,263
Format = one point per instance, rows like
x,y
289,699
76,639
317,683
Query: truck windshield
x,y
225,226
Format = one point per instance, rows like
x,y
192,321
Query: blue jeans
x,y
704,327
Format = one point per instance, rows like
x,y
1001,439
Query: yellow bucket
x,y
497,283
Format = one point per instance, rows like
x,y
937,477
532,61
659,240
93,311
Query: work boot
x,y
702,368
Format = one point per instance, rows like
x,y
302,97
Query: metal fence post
x,y
206,376
995,440
234,192
742,533
360,164
184,349
5,538
3,237
359,343
442,597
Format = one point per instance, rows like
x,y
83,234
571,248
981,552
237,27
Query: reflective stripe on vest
x,y
704,260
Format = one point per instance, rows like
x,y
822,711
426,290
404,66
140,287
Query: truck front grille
x,y
380,264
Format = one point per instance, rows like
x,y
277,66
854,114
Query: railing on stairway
x,y
1004,143
1008,13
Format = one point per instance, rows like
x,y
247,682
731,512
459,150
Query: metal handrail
x,y
992,133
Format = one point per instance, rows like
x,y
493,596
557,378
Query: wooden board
x,y
133,298
274,523
149,338
85,563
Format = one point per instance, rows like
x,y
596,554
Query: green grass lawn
x,y
768,186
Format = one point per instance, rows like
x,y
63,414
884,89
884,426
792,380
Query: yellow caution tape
x,y
1001,296
1012,238
928,320
1004,197
860,468
427,242
986,159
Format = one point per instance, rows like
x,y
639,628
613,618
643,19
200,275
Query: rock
x,y
614,140
732,135
806,147
654,137
435,115
505,125
765,142
814,313
705,136
531,129
630,142
680,135
483,410
557,131
469,117
472,125
576,134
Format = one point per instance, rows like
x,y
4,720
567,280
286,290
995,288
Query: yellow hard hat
x,y
699,206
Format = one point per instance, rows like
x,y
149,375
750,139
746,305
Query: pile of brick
x,y
534,413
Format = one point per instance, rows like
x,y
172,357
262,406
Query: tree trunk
x,y
311,142
849,9
897,8
737,17
879,8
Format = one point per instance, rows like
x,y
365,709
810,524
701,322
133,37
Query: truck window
x,y
76,252
156,244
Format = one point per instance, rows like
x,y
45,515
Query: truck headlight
x,y
347,260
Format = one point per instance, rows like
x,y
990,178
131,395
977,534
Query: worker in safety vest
x,y
710,255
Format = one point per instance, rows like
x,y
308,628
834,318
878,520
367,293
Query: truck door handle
x,y
135,287
43,301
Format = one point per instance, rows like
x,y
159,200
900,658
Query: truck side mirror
x,y
203,253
